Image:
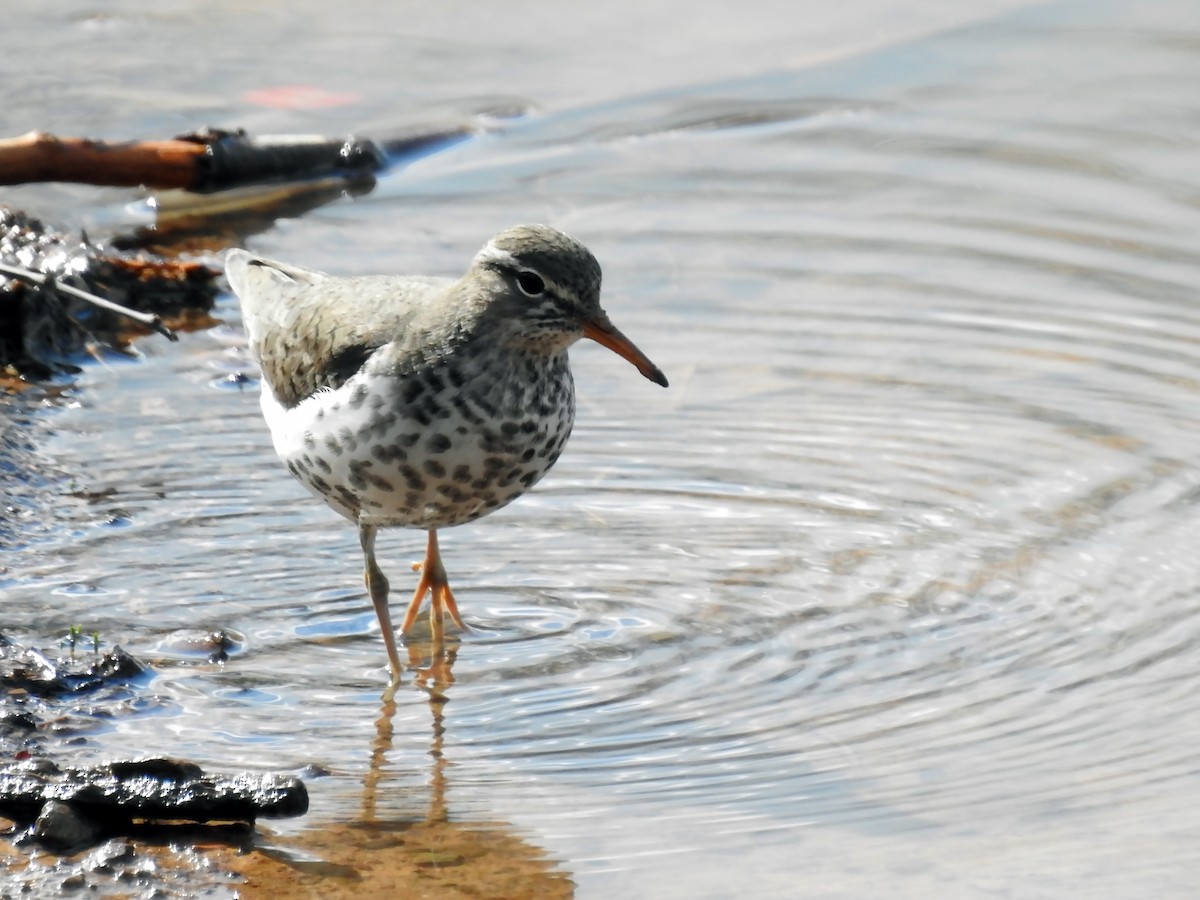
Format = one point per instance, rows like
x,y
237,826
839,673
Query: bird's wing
x,y
309,330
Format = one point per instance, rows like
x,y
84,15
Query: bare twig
x,y
148,319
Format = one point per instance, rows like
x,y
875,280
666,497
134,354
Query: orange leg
x,y
433,581
377,587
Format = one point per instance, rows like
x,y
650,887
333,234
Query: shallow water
x,y
895,585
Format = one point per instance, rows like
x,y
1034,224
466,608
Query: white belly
x,y
376,463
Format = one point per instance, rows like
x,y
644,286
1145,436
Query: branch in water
x,y
148,319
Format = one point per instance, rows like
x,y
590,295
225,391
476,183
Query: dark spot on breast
x,y
528,426
455,377
493,464
412,499
437,443
528,454
412,478
529,478
388,453
452,493
462,474
434,468
381,423
358,396
413,388
408,440
491,442
465,411
324,466
319,483
509,428
331,444
358,470
293,468
380,482
433,381
554,445
422,417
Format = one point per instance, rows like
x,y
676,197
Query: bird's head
x,y
545,291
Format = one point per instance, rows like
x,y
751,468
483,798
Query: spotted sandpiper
x,y
425,402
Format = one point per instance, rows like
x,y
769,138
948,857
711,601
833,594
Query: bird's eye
x,y
531,284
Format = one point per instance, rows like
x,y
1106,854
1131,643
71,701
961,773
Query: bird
x,y
425,402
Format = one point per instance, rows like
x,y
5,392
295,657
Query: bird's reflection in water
x,y
434,674
398,855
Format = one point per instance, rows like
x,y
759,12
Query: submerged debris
x,y
31,671
42,327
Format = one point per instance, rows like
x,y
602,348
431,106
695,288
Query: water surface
x,y
895,588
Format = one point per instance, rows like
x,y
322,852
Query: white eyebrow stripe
x,y
493,254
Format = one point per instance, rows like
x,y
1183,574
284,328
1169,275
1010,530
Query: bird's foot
x,y
433,581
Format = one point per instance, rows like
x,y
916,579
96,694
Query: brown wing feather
x,y
311,331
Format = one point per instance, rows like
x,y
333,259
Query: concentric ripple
x,y
907,553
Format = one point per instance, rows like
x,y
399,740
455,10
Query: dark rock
x,y
13,722
31,670
62,827
115,795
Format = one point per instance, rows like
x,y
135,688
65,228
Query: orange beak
x,y
602,331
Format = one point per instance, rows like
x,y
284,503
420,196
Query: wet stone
x,y
108,857
72,806
214,645
62,826
37,673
